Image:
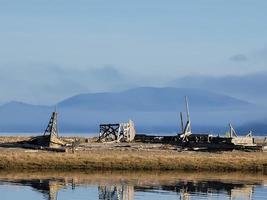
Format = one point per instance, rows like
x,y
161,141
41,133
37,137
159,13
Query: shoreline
x,y
116,176
129,157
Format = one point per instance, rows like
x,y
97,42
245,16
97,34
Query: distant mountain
x,y
251,87
152,109
21,106
18,116
153,99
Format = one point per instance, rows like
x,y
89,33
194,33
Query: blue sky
x,y
50,50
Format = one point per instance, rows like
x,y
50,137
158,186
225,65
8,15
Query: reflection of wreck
x,y
244,193
116,192
185,189
49,188
123,132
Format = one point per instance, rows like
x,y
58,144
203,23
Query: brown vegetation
x,y
132,160
134,156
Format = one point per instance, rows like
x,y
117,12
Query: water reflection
x,y
116,192
49,188
126,186
186,189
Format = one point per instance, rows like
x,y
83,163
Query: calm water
x,y
127,186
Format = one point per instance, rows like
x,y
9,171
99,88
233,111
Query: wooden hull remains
x,y
189,141
199,142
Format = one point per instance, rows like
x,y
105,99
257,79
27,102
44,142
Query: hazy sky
x,y
51,49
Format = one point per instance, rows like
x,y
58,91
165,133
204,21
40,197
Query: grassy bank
x,y
132,160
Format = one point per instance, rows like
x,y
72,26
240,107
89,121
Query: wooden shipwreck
x,y
52,132
188,140
247,140
50,137
121,132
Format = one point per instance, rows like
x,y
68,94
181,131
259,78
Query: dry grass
x,y
4,139
107,157
133,160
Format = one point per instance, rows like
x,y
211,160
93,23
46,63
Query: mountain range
x,y
251,87
154,110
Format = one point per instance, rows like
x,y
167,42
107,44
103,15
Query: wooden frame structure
x,y
52,128
109,132
123,132
247,140
52,132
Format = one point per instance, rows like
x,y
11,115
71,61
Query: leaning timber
x,y
52,132
49,140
